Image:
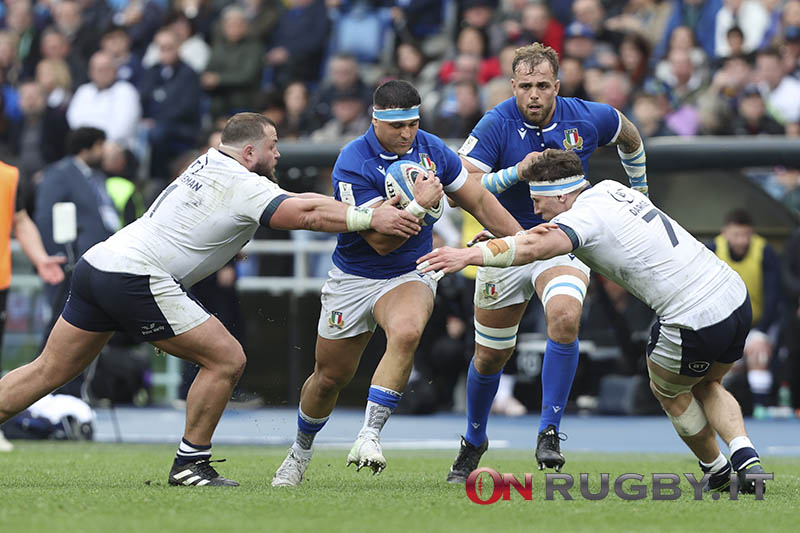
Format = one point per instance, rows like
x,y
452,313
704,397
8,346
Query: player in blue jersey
x,y
506,141
374,280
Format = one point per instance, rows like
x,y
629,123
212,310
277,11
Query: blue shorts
x,y
147,307
692,352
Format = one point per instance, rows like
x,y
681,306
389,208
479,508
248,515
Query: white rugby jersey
x,y
196,225
620,234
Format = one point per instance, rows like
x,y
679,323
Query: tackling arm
x,y
320,213
542,242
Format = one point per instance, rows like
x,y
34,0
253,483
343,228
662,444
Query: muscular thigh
x,y
406,306
206,344
338,358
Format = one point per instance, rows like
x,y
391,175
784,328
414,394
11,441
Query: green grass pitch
x,y
66,487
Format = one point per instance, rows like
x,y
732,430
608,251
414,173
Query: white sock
x,y
305,454
717,465
738,443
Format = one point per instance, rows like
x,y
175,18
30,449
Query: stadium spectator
x,y
644,17
43,130
616,91
15,218
780,92
297,120
54,77
579,41
634,55
749,16
55,46
752,117
233,73
718,103
591,13
202,14
649,111
83,36
170,94
10,67
263,16
194,51
117,43
472,42
699,16
411,65
538,26
297,47
140,19
343,77
457,121
106,103
571,76
756,262
348,118
20,21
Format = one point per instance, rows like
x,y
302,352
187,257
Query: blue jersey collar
x,y
377,148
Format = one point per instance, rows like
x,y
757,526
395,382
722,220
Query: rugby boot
x,y
198,474
719,482
467,460
749,486
367,451
548,449
292,470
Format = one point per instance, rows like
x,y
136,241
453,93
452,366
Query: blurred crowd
x,y
158,76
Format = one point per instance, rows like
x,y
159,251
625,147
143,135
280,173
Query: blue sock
x,y
480,394
307,429
558,371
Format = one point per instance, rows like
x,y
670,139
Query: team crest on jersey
x,y
427,162
336,320
572,141
490,290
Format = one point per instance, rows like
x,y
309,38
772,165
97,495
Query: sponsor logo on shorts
x,y
151,328
699,366
336,320
490,290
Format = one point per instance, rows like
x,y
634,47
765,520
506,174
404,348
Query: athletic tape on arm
x,y
497,182
635,165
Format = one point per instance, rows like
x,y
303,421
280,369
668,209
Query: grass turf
x,y
120,488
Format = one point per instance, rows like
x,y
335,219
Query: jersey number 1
x,y
653,213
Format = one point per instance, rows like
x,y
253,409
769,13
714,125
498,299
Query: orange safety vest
x,y
9,177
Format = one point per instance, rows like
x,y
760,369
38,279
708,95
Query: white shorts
x,y
496,288
347,301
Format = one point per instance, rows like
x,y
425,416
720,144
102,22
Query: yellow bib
x,y
749,268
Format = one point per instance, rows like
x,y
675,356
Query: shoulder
x,y
579,107
354,154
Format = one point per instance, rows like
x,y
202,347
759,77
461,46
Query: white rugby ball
x,y
400,178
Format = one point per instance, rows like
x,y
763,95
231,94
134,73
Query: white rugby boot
x,y
292,470
367,452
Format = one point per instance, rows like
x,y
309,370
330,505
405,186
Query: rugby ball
x,y
400,178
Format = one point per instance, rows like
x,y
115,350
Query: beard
x,y
266,170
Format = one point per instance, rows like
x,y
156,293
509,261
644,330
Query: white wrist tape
x,y
359,218
415,209
498,252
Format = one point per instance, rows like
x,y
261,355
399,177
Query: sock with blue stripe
x,y
189,453
307,429
558,371
481,390
743,453
381,402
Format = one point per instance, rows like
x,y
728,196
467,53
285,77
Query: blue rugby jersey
x,y
502,139
359,179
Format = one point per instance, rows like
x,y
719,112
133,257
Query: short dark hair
x,y
738,216
553,165
532,55
395,94
83,139
245,128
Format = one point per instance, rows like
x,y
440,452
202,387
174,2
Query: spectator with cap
x,y
579,41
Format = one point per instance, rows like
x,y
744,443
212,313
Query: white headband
x,y
557,187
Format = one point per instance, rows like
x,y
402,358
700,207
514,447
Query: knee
x,y
490,361
404,337
232,366
563,322
330,382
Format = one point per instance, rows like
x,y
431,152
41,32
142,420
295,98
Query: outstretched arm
x,y
542,242
320,213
